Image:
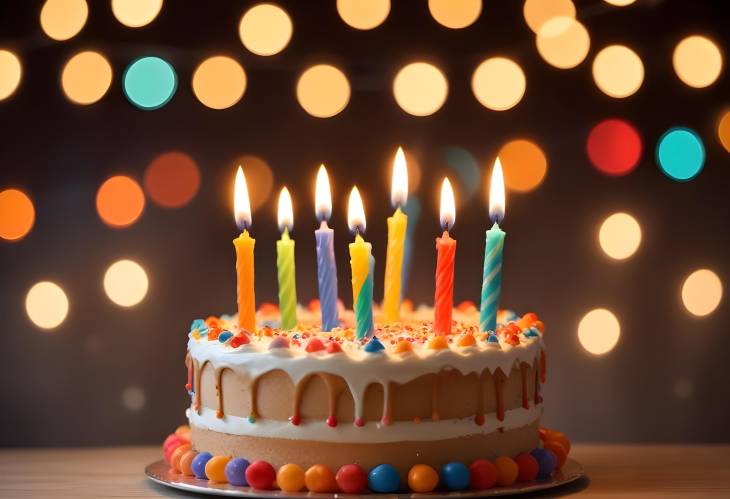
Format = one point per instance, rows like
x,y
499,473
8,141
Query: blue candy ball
x,y
236,471
546,460
455,476
384,478
198,464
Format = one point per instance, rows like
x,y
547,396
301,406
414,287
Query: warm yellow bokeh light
x,y
63,19
420,88
538,12
524,165
620,3
323,91
599,331
620,236
265,29
17,215
363,14
10,73
697,60
498,83
723,130
702,292
219,82
563,42
120,201
86,77
618,71
46,305
136,13
455,14
125,283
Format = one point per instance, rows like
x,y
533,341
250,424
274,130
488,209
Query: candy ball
x,y
483,475
236,472
176,455
557,448
215,469
183,431
455,475
546,460
528,467
559,436
199,463
422,478
351,479
260,475
384,478
290,478
507,470
319,478
186,463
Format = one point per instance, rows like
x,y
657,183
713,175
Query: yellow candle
x,y
244,245
362,264
359,257
396,239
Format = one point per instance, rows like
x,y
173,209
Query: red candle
x,y
446,249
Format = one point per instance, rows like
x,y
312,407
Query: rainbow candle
x,y
362,264
326,266
285,263
492,275
446,248
244,245
396,238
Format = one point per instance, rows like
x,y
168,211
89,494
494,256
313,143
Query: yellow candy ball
x,y
319,478
422,478
290,478
215,469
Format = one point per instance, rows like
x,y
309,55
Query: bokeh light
x,y
420,88
723,129
86,77
259,178
620,3
538,12
133,398
618,71
126,283
599,331
10,73
680,154
119,201
620,236
683,389
563,42
702,292
466,167
136,13
63,19
17,215
46,305
323,90
498,83
265,29
614,147
524,165
697,60
363,14
219,82
172,179
455,14
149,83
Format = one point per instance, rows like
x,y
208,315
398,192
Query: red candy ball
x,y
351,479
260,475
333,347
528,467
314,345
483,475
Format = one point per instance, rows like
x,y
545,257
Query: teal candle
x,y
491,278
285,264
364,304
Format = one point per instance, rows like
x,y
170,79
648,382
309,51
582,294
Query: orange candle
x,y
244,245
446,248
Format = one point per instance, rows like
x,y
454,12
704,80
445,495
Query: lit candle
x,y
244,255
285,263
363,266
446,248
326,266
492,275
396,238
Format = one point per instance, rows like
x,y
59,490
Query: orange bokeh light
x,y
524,165
120,201
172,179
16,215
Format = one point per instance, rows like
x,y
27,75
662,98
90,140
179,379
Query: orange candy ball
x,y
422,478
507,470
559,436
560,453
319,478
215,469
186,463
466,340
438,343
403,346
177,454
183,431
290,478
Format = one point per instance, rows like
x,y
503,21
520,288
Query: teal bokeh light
x,y
149,83
680,154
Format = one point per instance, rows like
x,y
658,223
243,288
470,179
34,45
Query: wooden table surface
x,y
647,470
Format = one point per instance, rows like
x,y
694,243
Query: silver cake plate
x,y
159,472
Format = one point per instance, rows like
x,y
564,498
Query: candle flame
x,y
323,195
355,212
241,202
399,181
496,193
448,206
285,213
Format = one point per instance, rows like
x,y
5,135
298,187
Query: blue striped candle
x,y
491,278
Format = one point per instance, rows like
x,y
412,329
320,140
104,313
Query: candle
x,y
492,275
326,266
244,245
396,237
285,263
446,248
362,264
